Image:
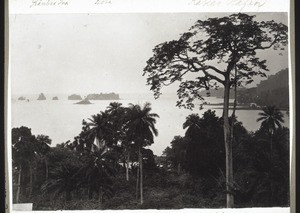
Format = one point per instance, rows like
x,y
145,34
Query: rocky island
x,y
55,98
22,98
74,97
103,96
85,101
41,97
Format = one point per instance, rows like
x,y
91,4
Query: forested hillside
x,y
272,91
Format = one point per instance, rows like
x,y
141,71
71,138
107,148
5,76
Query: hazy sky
x,y
83,53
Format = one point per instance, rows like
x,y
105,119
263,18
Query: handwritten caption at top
x,y
39,3
242,4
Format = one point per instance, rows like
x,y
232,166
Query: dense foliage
x,y
262,174
90,172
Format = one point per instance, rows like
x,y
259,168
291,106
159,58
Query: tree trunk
x,y
47,169
90,192
31,180
100,195
234,107
137,183
68,195
127,167
271,146
179,168
141,174
19,185
228,146
77,194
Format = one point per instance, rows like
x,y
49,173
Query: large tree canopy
x,y
218,51
214,49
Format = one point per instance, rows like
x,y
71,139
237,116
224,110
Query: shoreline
x,y
240,107
246,108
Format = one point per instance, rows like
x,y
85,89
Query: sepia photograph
x,y
123,111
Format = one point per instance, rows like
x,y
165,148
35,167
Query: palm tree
x,y
23,154
271,118
97,171
43,142
192,123
141,128
115,108
118,115
100,129
62,181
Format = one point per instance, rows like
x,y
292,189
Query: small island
x,y
74,97
22,98
103,96
85,101
55,98
41,97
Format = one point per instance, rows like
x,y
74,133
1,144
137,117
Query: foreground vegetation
x,y
109,164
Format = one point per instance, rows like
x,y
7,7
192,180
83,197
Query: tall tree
x,y
177,154
204,150
118,115
271,118
192,124
43,142
141,128
97,171
101,129
214,49
23,154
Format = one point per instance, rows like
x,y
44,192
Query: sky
x,y
93,53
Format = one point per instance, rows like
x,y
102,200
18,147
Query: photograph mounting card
x,y
122,105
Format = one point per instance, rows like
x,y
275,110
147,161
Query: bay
x,y
62,119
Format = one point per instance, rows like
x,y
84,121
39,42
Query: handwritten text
x,y
102,2
37,3
241,4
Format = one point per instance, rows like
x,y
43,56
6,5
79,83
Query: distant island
x,y
94,96
85,101
55,98
74,97
41,97
22,98
103,96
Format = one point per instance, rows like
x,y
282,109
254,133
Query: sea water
x,y
62,119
